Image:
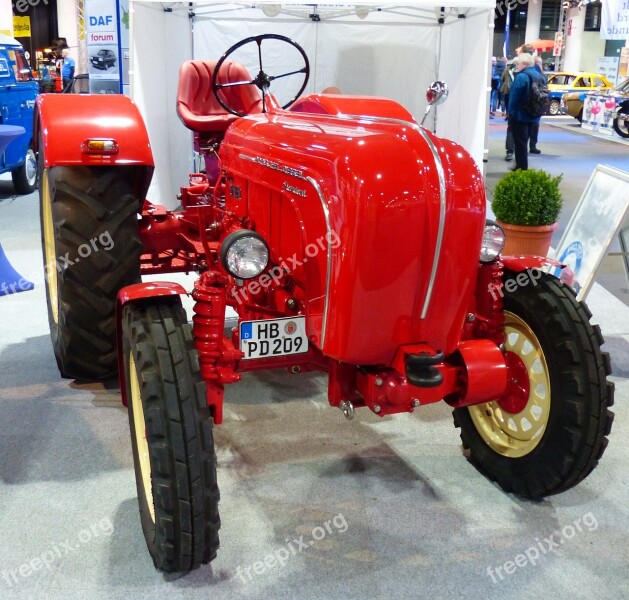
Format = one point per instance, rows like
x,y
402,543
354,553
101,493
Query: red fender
x,y
522,263
63,122
135,293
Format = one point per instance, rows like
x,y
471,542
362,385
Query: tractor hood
x,y
385,220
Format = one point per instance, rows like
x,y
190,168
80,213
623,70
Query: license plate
x,y
273,337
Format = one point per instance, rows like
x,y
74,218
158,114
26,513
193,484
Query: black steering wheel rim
x,y
262,81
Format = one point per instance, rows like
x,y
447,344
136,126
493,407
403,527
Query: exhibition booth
x,y
390,51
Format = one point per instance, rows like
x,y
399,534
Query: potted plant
x,y
526,205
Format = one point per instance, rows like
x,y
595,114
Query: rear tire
x,y
580,116
171,432
91,249
555,438
25,177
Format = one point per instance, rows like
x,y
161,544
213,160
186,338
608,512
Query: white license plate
x,y
273,337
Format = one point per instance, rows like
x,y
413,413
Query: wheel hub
x,y
514,425
31,167
518,385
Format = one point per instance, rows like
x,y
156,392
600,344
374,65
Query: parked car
x,y
103,59
562,82
572,102
18,92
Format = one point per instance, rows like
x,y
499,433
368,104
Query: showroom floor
x,y
386,508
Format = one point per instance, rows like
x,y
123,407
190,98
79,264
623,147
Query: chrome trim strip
x,y
326,213
442,193
442,224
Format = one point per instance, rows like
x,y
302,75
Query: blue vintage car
x,y
18,91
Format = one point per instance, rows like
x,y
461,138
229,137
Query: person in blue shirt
x,y
67,70
521,121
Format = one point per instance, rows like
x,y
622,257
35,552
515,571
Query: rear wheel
x,y
91,250
580,116
553,107
25,177
549,430
171,432
621,122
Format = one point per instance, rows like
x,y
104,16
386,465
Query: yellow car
x,y
563,82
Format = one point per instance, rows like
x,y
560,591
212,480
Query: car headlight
x,y
244,254
493,242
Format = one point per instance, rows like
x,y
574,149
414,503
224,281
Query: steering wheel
x,y
262,81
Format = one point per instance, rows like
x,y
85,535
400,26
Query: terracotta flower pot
x,y
527,239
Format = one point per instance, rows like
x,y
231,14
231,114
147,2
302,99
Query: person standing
x,y
67,69
501,67
505,87
533,149
494,98
520,120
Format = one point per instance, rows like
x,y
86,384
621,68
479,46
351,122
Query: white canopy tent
x,y
365,49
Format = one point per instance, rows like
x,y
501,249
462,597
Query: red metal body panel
x,y
72,118
135,293
374,229
378,182
351,105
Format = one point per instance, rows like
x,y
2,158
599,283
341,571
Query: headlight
x,y
493,242
244,254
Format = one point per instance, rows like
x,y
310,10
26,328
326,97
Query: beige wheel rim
x,y
517,434
140,436
50,255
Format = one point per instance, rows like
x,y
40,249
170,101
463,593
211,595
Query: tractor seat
x,y
197,106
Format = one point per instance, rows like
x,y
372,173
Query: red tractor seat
x,y
197,106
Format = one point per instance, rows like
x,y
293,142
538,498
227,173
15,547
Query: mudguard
x,y
64,122
136,293
518,264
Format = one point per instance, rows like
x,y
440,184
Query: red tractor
x,y
349,240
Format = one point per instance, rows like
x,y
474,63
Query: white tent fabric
x,y
391,51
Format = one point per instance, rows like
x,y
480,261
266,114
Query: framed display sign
x,y
595,222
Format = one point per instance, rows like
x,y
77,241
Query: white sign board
x,y
598,114
608,66
594,224
103,46
615,20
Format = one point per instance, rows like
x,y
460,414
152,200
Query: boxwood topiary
x,y
529,197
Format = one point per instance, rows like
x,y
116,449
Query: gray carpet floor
x,y
407,516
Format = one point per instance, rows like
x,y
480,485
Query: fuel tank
x,y
376,219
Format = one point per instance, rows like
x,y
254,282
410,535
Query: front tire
x,y
171,433
549,431
25,176
553,107
91,250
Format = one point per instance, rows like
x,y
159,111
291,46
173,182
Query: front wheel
x,y
553,108
171,437
549,430
25,176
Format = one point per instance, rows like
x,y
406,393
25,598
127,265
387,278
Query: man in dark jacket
x,y
521,121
